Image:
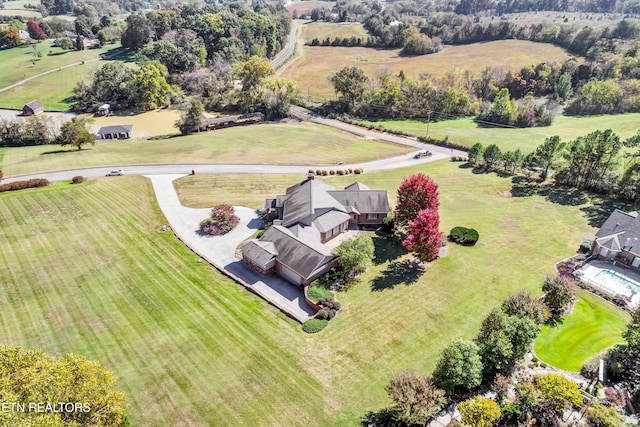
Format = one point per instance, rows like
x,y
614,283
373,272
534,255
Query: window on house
x,y
372,216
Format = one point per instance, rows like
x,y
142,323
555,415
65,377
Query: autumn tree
x,y
424,238
350,83
416,192
503,110
30,375
479,412
35,32
253,72
151,89
524,304
416,399
278,94
192,118
547,153
10,37
459,367
558,392
76,133
559,293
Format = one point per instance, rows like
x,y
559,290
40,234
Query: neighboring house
x,y
115,132
310,214
66,34
33,108
618,240
104,110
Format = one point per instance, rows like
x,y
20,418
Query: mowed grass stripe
x,y
141,323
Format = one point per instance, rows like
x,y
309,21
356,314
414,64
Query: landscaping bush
x,y
590,368
222,221
324,172
340,172
388,224
464,236
332,172
318,172
78,179
22,185
358,171
314,325
311,171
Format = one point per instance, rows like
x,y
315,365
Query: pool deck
x,y
589,271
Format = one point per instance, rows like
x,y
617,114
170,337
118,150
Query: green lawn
x,y
19,63
293,144
593,326
85,270
41,88
467,132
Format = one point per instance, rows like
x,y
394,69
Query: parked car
x,y
115,172
423,153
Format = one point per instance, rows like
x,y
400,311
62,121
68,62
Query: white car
x,y
115,172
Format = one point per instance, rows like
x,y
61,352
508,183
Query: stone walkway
x,y
220,250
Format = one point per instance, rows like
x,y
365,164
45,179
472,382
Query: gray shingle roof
x,y
363,201
35,105
258,251
330,220
357,186
620,231
115,129
304,199
302,257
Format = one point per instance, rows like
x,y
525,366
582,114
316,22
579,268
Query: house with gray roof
x,y
619,240
115,132
310,214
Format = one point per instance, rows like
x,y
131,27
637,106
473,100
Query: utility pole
x,y
428,122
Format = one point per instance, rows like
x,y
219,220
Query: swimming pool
x,y
616,284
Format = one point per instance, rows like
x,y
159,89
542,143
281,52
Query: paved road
x,y
94,172
285,53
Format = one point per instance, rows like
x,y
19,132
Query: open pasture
x,y
21,62
287,144
54,90
322,30
311,70
190,347
304,8
467,132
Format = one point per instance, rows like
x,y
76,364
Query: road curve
x,y
285,53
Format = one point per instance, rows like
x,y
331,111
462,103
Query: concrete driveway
x,y
220,250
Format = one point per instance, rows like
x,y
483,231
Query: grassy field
x,y
322,30
311,70
593,326
191,348
467,132
294,143
19,63
41,88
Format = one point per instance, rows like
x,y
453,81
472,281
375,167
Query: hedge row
x,y
324,172
21,185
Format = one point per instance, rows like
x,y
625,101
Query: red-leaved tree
x,y
416,193
424,239
222,220
35,32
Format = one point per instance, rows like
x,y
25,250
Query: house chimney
x,y
277,222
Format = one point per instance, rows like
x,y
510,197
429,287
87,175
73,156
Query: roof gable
x,y
302,257
620,231
363,201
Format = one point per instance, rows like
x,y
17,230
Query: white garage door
x,y
290,275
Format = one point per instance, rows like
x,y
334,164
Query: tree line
x,y
591,162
